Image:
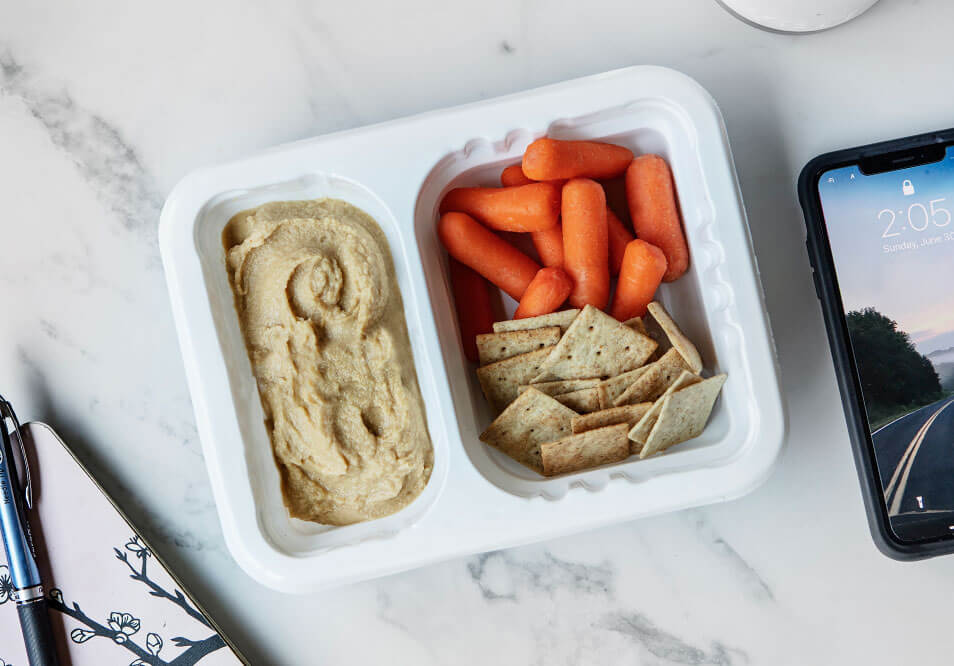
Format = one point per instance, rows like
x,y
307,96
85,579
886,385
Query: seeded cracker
x,y
683,416
612,388
636,323
564,385
501,381
563,319
492,347
585,450
530,420
658,377
582,401
676,337
628,414
654,331
595,345
644,426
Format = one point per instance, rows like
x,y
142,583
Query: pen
x,y
18,544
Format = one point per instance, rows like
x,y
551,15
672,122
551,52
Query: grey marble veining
x,y
749,580
666,646
80,262
501,575
106,160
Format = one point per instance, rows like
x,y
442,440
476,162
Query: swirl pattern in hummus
x,y
323,320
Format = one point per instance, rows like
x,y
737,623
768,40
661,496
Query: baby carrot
x,y
513,176
652,205
586,242
550,159
481,249
643,268
545,293
475,312
549,242
619,236
531,207
549,245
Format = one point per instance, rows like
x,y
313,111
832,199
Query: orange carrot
x,y
475,312
513,176
643,268
550,159
549,245
545,293
652,205
586,242
531,207
476,246
619,236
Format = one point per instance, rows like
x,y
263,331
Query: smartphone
x,y
880,236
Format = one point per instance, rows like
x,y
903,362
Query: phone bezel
x,y
826,286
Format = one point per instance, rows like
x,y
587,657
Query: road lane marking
x,y
913,448
900,418
908,462
904,459
916,442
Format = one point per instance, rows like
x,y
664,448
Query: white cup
x,y
796,16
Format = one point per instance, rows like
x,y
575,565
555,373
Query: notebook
x,y
112,601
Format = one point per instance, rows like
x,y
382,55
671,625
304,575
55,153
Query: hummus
x,y
319,306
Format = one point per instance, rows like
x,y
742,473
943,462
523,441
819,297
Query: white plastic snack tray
x,y
477,499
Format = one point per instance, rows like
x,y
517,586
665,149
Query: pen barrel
x,y
14,527
37,633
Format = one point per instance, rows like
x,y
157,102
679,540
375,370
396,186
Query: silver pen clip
x,y
6,412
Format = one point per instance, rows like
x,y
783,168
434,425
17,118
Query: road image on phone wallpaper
x,y
892,241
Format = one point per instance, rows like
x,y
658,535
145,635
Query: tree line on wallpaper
x,y
895,378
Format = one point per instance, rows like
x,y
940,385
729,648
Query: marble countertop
x,y
104,105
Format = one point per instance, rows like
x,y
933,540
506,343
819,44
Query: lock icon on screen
x,y
907,187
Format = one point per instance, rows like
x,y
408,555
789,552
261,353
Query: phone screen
x,y
892,242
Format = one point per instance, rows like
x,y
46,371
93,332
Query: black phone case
x,y
826,287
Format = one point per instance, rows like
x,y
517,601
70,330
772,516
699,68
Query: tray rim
x,y
260,559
